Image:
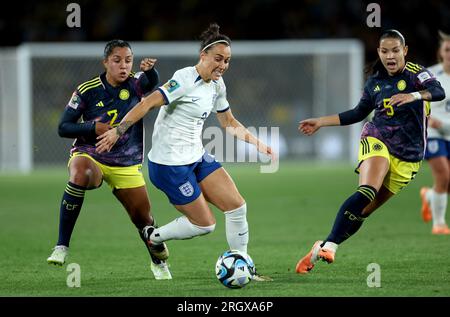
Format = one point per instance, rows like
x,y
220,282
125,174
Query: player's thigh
x,y
373,170
220,190
198,212
84,171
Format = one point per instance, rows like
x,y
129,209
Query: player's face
x,y
216,61
445,52
392,54
118,65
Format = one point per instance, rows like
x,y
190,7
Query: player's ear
x,y
405,50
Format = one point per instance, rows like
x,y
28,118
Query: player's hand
x,y
401,99
101,128
147,64
107,141
265,149
309,126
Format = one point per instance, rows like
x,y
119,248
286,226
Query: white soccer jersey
x,y
177,134
441,109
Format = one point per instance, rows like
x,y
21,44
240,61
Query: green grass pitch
x,y
288,211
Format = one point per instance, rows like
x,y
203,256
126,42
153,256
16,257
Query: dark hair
x,y
393,34
377,65
111,45
212,35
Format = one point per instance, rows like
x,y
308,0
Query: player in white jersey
x,y
178,164
434,200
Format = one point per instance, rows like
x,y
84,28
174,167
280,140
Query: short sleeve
x,y
221,103
175,88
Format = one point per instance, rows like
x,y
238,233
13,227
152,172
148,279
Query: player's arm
x,y
109,138
433,91
69,127
357,114
151,78
237,129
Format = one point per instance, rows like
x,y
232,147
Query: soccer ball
x,y
235,269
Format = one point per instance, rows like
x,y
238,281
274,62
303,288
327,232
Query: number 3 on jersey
x,y
114,115
390,109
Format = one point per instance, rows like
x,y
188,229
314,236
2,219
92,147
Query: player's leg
x,y
436,154
83,174
137,205
437,196
350,215
220,190
374,166
180,185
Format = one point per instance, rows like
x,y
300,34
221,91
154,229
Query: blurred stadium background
x,y
273,86
291,60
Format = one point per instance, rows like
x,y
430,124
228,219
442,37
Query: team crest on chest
x,y
401,85
186,189
377,147
124,94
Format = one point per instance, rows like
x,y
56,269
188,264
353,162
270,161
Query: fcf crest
x,y
186,189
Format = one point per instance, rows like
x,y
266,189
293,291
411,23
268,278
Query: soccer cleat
x,y
326,254
440,230
261,278
158,250
306,264
58,256
161,271
426,209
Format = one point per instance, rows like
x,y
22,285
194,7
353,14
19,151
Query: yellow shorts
x,y
400,172
117,177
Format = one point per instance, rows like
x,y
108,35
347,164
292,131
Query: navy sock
x,y
349,218
71,203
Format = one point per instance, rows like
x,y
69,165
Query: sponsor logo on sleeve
x,y
75,101
423,76
171,85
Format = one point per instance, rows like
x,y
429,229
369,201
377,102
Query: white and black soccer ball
x,y
235,269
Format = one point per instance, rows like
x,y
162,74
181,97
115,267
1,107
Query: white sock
x,y
236,227
330,246
179,229
438,206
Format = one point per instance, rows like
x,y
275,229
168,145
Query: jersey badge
x,y
186,189
401,85
377,89
423,76
74,101
124,94
171,85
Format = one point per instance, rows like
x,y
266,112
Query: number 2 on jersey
x,y
390,109
114,115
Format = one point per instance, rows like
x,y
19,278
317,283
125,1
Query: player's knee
x,y
233,204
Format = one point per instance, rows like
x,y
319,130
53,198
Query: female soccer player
x,y
392,144
178,163
434,201
101,103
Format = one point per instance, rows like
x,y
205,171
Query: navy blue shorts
x,y
180,183
436,148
